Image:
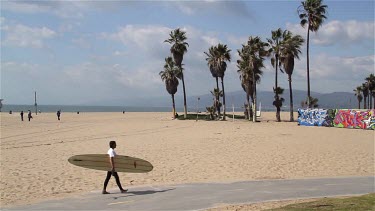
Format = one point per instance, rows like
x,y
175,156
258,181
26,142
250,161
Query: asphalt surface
x,y
199,196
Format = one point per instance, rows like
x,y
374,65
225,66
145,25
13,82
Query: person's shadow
x,y
144,192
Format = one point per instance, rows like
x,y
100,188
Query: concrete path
x,y
205,195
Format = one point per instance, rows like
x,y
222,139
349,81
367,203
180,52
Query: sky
x,y
92,52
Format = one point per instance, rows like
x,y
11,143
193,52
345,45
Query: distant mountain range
x,y
238,98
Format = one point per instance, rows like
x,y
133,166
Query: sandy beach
x,y
34,154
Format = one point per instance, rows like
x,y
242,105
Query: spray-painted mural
x,y
311,117
344,118
355,119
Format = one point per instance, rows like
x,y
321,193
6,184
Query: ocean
x,y
81,108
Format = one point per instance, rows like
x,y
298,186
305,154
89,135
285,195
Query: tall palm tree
x,y
170,77
246,76
252,56
211,62
365,91
275,43
290,49
358,91
371,86
217,57
177,38
223,56
312,13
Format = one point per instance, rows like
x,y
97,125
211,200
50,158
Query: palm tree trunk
x,y
359,104
370,100
183,87
173,107
364,103
255,100
276,94
248,106
222,86
291,97
218,97
308,67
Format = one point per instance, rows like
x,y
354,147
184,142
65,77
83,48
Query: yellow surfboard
x,y
101,162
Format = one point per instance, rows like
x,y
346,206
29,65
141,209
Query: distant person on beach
x,y
123,112
21,115
58,114
111,153
29,116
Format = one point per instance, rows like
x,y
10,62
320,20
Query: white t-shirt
x,y
111,152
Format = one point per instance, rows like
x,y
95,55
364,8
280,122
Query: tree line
x,y
283,47
366,92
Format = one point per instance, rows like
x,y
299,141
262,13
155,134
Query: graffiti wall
x,y
343,118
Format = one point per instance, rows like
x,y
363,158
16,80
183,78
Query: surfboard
x,y
101,162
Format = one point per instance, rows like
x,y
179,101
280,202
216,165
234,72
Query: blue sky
x,y
85,52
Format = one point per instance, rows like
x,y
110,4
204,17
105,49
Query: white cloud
x,y
106,74
210,40
235,8
145,37
63,9
323,66
237,41
24,36
336,32
23,68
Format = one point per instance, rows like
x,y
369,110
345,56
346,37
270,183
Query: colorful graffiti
x,y
343,118
355,119
312,117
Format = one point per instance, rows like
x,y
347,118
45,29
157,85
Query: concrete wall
x,y
343,118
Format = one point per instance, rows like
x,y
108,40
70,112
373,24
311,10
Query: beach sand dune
x,y
34,154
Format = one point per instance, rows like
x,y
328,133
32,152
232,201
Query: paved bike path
x,y
198,196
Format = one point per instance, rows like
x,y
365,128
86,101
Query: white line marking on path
x,y
121,202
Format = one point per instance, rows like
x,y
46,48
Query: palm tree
x,y
169,76
371,86
246,76
217,93
275,43
290,49
278,102
211,62
313,102
358,91
253,54
223,56
312,13
178,49
365,91
216,60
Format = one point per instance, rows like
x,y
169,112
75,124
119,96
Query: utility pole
x,y
36,106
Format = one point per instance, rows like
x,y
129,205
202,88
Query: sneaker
x,y
105,192
124,191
